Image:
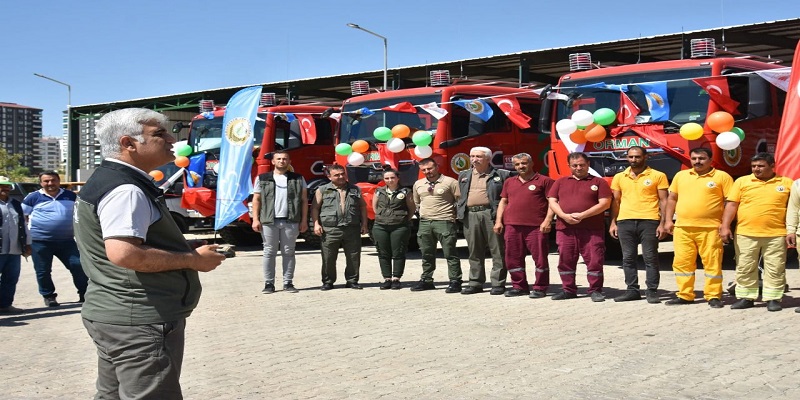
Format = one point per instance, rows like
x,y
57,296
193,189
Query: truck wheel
x,y
239,236
181,222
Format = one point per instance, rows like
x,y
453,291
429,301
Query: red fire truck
x,y
453,135
277,127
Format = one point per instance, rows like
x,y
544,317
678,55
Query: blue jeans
x,y
67,252
9,275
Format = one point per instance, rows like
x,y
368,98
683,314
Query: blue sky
x,y
121,50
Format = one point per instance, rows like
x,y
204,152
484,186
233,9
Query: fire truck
x,y
453,135
277,127
694,89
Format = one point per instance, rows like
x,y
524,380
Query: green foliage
x,y
10,167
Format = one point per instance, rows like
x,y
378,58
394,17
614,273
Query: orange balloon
x,y
157,175
401,131
595,133
578,137
360,146
182,161
720,121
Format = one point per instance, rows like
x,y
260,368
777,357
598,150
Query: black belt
x,y
478,208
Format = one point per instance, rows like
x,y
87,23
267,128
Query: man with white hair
x,y
143,274
480,188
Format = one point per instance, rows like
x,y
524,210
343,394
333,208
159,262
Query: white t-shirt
x,y
281,193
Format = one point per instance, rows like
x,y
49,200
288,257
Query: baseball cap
x,y
4,181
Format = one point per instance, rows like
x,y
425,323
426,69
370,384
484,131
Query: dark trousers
x,y
589,244
66,251
348,238
139,361
391,242
479,232
631,232
444,232
520,238
9,276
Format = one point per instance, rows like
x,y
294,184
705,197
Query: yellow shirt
x,y
701,198
762,205
639,195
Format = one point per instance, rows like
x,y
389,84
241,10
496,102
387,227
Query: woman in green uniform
x,y
394,207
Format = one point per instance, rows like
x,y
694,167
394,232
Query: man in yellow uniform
x,y
758,202
697,198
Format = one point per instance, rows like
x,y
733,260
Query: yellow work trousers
x,y
688,243
773,251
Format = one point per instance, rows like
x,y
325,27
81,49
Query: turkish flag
x,y
510,107
307,128
386,156
405,107
628,110
717,89
787,158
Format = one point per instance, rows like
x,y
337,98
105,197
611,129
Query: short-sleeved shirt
x,y
640,194
50,217
281,193
762,205
578,195
126,211
527,200
438,203
701,198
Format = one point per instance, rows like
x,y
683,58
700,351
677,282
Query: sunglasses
x,y
430,186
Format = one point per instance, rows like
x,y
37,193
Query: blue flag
x,y
236,158
478,107
657,103
196,170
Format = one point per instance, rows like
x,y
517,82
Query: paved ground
x,y
398,344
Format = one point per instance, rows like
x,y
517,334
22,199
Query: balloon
x,y
720,121
595,133
691,131
183,150
343,149
566,127
422,138
215,168
157,175
604,116
582,117
728,141
182,161
355,159
578,137
401,131
360,146
423,151
395,145
382,133
739,132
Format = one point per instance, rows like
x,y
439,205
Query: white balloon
x,y
423,151
565,127
216,168
395,145
355,159
583,117
728,140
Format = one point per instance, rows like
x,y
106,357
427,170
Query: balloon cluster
x,y
585,126
182,150
729,137
394,143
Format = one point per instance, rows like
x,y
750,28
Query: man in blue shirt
x,y
50,215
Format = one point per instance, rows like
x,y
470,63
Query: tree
x,y
10,166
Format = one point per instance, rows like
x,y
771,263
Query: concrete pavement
x,y
368,344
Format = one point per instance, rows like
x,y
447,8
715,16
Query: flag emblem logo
x,y
238,131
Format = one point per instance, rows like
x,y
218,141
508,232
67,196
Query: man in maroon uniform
x,y
579,201
525,215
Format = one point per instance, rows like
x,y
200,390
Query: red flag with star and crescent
x,y
787,158
510,107
405,107
307,128
718,92
628,110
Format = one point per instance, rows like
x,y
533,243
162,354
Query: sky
x,y
120,50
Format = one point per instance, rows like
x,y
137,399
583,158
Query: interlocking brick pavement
x,y
369,344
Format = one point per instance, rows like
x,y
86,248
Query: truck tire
x,y
183,225
239,236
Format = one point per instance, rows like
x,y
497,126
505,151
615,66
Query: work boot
x,y
629,295
652,296
774,305
50,301
741,304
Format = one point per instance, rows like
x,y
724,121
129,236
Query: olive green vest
x,y
330,213
294,191
391,209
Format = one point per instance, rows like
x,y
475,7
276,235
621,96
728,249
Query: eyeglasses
x,y
430,187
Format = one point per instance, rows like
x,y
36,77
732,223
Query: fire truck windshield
x,y
206,134
686,101
355,126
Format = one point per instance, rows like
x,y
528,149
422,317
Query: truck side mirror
x,y
178,127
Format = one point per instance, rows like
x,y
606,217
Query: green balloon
x,y
382,133
739,132
343,149
184,150
422,138
604,116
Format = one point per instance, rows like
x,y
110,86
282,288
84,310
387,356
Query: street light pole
x,y
70,141
385,53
